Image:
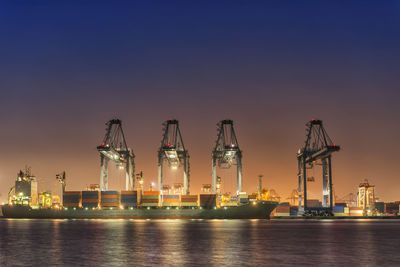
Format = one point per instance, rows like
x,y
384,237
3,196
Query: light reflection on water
x,y
199,242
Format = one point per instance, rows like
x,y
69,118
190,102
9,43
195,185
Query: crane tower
x,y
114,148
173,151
318,147
226,153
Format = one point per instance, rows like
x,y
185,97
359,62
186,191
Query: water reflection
x,y
198,242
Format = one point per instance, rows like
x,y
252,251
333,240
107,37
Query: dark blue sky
x,y
69,66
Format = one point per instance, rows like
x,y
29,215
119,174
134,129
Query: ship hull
x,y
259,210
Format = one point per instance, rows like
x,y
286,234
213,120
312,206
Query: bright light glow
x,y
121,207
174,167
86,208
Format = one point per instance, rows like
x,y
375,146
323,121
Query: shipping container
x,y
104,193
339,209
208,200
150,197
90,194
189,198
90,199
149,200
151,193
128,192
340,204
170,196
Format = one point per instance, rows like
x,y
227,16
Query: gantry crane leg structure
x,y
226,153
173,151
318,147
114,148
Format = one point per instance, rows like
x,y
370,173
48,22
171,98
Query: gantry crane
x,y
318,146
173,150
114,148
226,153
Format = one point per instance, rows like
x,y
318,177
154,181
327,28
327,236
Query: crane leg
x,y
325,183
304,184
186,176
239,175
160,177
330,181
103,173
299,176
214,175
129,176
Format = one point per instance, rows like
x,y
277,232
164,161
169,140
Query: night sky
x,y
68,67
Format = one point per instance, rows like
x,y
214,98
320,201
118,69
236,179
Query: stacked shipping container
x,y
90,199
150,198
109,199
129,199
243,198
208,201
170,200
72,199
189,200
392,208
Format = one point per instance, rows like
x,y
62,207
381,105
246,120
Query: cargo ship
x,y
25,202
257,210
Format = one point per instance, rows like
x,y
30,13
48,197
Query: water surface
x,y
199,242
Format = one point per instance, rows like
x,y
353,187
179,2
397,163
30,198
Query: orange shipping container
x,y
169,200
